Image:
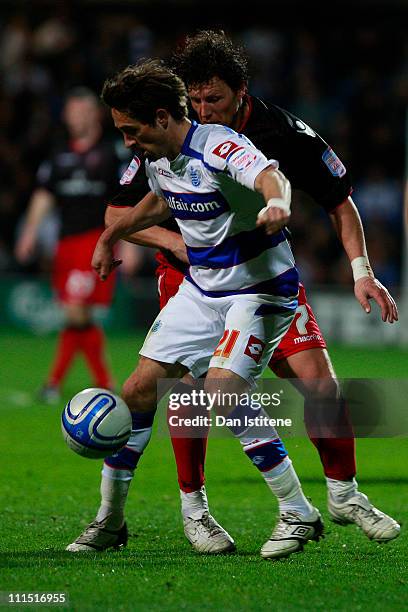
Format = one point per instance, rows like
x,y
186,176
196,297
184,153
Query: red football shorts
x,y
169,279
73,279
303,333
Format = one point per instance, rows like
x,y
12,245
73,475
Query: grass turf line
x,y
49,494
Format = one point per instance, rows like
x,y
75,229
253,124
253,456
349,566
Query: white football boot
x,y
291,533
207,536
98,537
358,509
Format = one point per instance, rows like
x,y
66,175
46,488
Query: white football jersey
x,y
209,188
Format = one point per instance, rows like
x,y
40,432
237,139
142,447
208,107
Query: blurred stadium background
x,y
342,69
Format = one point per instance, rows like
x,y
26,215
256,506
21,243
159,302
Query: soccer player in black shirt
x,y
215,72
218,94
80,175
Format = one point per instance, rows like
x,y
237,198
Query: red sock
x,y
68,346
189,451
92,341
337,454
190,459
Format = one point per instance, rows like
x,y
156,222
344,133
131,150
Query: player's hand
x,y
272,219
103,261
367,288
178,248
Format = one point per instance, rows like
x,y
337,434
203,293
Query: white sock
x,y
114,491
341,490
115,482
284,483
193,505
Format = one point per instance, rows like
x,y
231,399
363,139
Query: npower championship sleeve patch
x,y
333,163
130,172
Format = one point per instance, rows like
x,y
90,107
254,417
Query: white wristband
x,y
361,268
275,203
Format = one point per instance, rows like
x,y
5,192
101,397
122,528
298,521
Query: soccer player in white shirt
x,y
234,306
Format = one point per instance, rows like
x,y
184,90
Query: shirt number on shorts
x,y
303,319
227,343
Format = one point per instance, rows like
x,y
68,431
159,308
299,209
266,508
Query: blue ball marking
x,y
80,431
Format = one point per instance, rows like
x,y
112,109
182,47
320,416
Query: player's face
x,y
147,137
216,102
81,115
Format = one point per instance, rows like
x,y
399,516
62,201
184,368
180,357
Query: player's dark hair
x,y
139,90
82,92
208,54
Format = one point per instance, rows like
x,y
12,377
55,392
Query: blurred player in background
x,y
218,91
77,180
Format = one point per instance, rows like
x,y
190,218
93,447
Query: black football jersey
x,y
304,157
81,184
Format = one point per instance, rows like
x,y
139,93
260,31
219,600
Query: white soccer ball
x,y
96,423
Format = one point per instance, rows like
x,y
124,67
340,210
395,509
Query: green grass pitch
x,y
48,494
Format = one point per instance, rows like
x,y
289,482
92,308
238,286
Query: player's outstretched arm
x,y
41,202
155,237
275,188
150,211
347,222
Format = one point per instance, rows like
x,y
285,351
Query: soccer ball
x,y
96,423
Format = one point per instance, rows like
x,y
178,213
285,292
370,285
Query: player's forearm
x,y
274,185
40,204
148,213
42,201
275,188
160,238
349,228
154,237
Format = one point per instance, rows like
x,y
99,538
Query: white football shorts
x,y
226,332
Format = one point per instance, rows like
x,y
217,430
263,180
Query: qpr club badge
x,y
195,176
